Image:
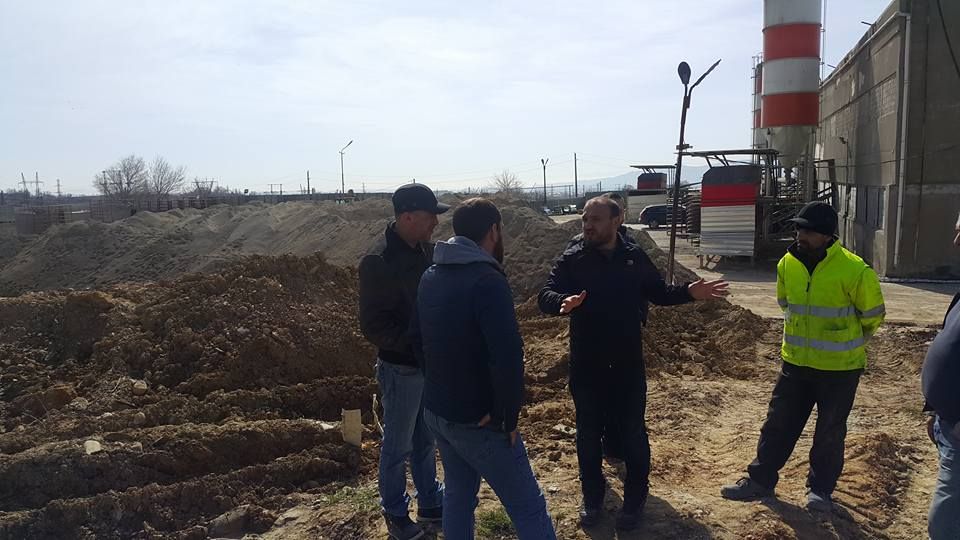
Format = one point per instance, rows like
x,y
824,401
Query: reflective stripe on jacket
x,y
829,315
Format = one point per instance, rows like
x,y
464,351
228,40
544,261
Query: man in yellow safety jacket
x,y
832,305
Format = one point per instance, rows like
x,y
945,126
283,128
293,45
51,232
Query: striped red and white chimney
x,y
759,135
791,75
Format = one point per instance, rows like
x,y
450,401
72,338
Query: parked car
x,y
547,211
655,215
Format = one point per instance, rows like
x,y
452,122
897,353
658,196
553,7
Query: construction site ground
x,y
183,376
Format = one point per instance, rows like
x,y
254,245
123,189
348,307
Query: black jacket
x,y
389,277
607,326
466,334
940,377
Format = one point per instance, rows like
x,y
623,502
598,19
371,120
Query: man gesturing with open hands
x,y
604,284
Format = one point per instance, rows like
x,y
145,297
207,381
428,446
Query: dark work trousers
x,y
614,396
797,390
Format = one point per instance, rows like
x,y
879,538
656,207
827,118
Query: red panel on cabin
x,y
729,194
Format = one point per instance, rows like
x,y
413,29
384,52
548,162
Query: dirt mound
x,y
875,475
151,246
706,340
197,390
10,243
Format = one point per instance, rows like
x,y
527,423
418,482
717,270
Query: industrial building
x,y
888,142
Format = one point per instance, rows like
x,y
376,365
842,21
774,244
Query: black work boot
x,y
745,490
402,528
430,515
628,518
590,516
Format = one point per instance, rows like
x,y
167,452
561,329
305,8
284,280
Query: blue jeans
x,y
405,436
469,453
944,519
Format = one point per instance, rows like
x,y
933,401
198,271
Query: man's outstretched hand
x,y
708,290
571,303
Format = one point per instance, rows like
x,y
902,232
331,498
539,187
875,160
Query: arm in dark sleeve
x,y
415,336
927,408
559,286
378,318
498,323
655,288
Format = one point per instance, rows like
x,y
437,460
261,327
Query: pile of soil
x,y
150,246
204,394
10,243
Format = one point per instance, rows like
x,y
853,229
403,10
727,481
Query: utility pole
x,y
24,180
343,185
544,162
36,184
58,189
308,186
576,193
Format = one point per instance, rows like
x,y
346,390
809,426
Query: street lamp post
x,y
544,162
343,186
684,71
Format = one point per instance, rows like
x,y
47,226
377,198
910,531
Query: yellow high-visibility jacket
x,y
828,316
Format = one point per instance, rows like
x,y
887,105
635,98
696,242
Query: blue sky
x,y
446,92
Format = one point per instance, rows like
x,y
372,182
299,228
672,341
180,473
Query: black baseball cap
x,y
413,197
817,216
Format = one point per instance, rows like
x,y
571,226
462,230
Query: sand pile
x,y
198,391
150,246
10,244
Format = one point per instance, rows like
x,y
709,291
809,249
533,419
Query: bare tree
x,y
164,179
507,182
124,180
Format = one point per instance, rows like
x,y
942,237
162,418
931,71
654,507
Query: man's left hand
x,y
956,431
708,290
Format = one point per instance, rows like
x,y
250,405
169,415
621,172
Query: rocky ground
x,y
206,405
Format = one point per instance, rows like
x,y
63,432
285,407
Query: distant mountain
x,y
689,175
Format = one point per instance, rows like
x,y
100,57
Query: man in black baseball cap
x,y
832,305
818,217
417,197
389,277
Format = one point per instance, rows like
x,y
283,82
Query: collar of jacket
x,y
396,243
462,250
833,248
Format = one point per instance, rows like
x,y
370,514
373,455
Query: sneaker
x,y
590,516
628,519
818,502
745,490
401,528
430,515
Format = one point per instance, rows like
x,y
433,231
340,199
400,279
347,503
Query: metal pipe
x,y
902,143
676,185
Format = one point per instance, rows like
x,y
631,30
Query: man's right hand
x,y
571,303
486,420
930,420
